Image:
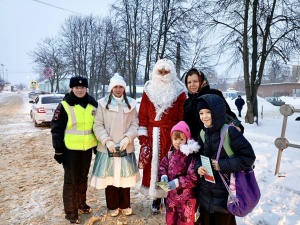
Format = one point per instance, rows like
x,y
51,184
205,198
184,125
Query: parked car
x,y
43,107
34,94
275,101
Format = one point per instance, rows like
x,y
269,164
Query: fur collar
x,y
190,147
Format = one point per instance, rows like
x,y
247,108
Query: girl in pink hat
x,y
177,169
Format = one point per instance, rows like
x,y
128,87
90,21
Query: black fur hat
x,y
78,81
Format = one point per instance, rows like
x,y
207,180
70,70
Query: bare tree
x,y
48,53
129,41
81,37
277,72
130,19
106,51
154,30
253,30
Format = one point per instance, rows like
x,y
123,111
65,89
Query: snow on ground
x,y
280,201
31,181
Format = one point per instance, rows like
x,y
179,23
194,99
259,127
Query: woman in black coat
x,y
197,85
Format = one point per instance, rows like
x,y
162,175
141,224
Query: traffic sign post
x,y
47,72
33,84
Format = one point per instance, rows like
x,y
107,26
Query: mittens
x,y
124,143
59,158
173,184
164,178
143,140
145,156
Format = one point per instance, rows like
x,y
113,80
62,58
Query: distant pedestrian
x,y
239,102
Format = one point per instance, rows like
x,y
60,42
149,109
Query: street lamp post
x,y
2,71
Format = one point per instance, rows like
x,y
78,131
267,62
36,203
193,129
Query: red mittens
x,y
145,152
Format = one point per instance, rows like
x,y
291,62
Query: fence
x,y
282,143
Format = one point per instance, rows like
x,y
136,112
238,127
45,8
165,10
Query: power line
x,y
56,7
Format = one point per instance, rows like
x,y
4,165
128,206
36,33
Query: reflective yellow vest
x,y
79,133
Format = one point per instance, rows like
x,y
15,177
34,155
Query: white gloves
x,y
124,143
111,146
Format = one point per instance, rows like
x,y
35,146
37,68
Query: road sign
x,y
33,83
47,72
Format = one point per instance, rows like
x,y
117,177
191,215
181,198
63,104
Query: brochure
x,y
163,185
209,176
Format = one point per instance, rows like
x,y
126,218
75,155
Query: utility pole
x,y
2,71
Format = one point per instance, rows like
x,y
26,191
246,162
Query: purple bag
x,y
244,193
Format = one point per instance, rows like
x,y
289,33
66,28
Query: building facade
x,y
279,89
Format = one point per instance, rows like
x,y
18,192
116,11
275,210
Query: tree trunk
x,y
178,60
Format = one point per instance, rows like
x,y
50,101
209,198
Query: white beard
x,y
162,91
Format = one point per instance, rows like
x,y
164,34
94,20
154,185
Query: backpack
x,y
226,143
243,190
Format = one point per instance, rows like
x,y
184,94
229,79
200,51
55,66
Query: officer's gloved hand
x,y
59,157
95,150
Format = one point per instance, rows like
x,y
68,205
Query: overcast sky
x,y
24,23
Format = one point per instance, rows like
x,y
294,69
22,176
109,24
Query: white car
x,y
43,107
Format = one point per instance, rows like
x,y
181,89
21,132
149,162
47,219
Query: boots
x,y
156,206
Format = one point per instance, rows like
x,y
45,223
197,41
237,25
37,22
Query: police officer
x,y
73,140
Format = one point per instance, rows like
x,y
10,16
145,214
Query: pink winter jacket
x,y
174,166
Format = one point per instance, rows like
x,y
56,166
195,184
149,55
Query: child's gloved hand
x,y
164,178
173,184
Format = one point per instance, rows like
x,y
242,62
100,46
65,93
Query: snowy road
x,y
31,181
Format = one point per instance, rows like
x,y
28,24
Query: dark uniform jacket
x,y
60,119
213,197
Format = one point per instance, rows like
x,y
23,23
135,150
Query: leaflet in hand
x,y
163,185
209,176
